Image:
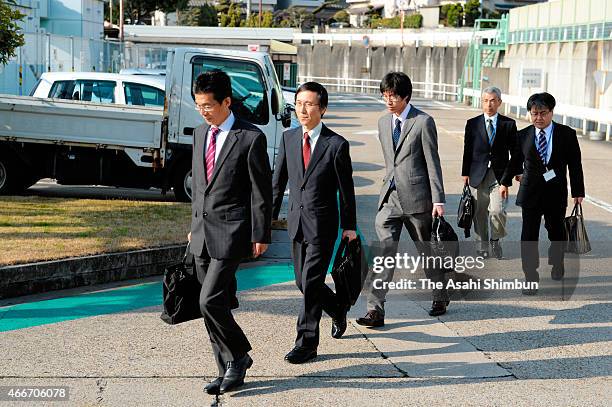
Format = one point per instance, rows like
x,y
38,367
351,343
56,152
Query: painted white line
x,y
441,104
366,133
599,203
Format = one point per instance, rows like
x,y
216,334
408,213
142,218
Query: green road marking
x,y
86,305
122,299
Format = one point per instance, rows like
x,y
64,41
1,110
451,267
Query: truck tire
x,y
11,181
182,182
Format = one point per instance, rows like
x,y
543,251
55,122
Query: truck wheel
x,y
11,181
182,183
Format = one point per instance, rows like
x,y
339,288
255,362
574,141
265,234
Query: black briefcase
x,y
181,292
346,271
575,232
465,213
444,241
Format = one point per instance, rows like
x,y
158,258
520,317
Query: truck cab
x,y
256,97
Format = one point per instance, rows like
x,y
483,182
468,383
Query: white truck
x,y
84,143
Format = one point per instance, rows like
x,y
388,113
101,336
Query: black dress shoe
x,y
496,249
300,355
235,373
339,322
372,319
557,272
213,387
529,291
438,308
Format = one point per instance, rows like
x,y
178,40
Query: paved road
x,y
501,350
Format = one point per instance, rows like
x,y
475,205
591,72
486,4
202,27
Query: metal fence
x,y
433,90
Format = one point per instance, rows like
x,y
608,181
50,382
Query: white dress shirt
x,y
313,135
224,130
549,141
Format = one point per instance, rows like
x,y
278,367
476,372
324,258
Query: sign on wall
x,y
531,78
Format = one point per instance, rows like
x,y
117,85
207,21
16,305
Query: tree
x,y
294,17
11,36
372,15
472,12
137,10
203,16
342,16
454,15
267,20
233,16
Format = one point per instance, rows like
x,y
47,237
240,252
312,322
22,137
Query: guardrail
x,y
443,91
395,37
602,117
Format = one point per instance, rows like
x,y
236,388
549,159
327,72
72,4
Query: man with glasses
x,y
489,140
231,217
315,161
412,192
545,151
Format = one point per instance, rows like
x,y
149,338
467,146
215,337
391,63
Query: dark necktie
x,y
397,131
491,131
306,150
210,153
542,146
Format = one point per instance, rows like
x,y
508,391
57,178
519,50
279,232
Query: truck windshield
x,y
249,99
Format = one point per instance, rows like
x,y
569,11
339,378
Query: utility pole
x,y
260,13
121,20
111,12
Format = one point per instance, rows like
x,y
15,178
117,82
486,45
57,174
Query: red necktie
x,y
210,153
306,150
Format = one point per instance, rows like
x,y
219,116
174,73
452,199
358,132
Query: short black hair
x,y
541,101
216,82
397,82
316,88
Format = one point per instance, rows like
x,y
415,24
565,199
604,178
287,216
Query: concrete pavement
x,y
494,352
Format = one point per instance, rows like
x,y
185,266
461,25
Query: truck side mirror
x,y
286,116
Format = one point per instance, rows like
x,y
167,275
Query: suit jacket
x,y
415,163
477,152
534,190
234,209
315,193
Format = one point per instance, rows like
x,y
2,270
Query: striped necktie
x,y
491,131
210,153
542,146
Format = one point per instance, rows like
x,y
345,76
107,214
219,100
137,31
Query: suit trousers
x,y
310,264
490,208
553,222
218,279
389,222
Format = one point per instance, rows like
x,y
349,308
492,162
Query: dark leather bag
x,y
575,232
444,241
181,292
346,271
465,213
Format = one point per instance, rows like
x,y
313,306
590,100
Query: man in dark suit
x,y
489,141
545,151
316,163
412,191
230,218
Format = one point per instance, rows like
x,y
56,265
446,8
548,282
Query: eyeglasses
x,y
542,113
205,108
392,98
308,105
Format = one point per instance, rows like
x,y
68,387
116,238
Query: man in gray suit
x,y
230,218
412,192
